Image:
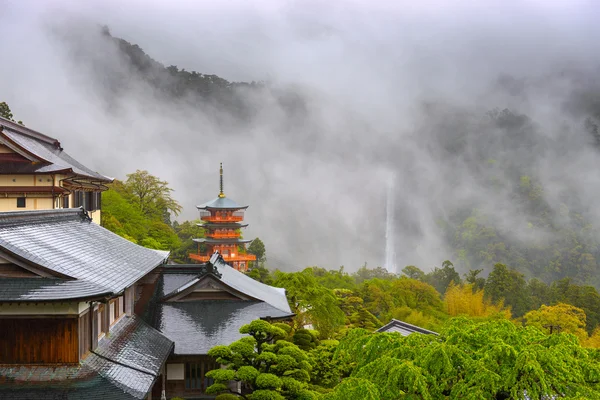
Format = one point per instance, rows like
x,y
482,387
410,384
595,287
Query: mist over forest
x,y
487,117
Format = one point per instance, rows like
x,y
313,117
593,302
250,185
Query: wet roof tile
x,y
67,242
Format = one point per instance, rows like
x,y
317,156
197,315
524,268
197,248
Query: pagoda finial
x,y
221,194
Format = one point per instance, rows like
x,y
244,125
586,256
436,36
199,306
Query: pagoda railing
x,y
221,218
226,257
222,235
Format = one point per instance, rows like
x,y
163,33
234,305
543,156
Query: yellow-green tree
x,y
464,300
559,318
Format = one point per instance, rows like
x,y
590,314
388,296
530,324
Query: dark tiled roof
x,y
47,289
221,202
403,328
233,278
67,242
45,149
197,326
137,344
125,367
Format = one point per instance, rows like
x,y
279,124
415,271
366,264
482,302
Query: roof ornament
x,y
221,194
211,266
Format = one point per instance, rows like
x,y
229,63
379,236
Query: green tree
x,y
508,285
5,112
257,247
471,360
365,273
151,195
559,318
186,232
265,370
440,278
123,217
311,302
414,272
472,277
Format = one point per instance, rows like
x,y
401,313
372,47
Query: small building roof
x,y
221,203
66,244
404,328
123,367
44,151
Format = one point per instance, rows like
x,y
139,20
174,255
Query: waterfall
x,y
390,254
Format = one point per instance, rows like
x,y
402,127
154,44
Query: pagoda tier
x,y
222,227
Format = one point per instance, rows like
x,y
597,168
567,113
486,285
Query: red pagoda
x,y
223,219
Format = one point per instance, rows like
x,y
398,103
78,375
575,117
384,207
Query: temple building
x,y
223,219
68,293
88,315
199,306
37,174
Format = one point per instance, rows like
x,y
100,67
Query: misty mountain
x,y
549,238
488,125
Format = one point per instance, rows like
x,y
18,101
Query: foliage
x,y
466,300
441,278
186,232
151,195
5,112
365,273
508,285
257,247
123,216
558,318
266,366
494,359
311,302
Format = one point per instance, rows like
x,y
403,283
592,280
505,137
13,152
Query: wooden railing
x,y
226,257
228,218
227,235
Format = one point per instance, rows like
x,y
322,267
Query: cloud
x,y
383,86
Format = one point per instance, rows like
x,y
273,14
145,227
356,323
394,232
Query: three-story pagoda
x,y
223,219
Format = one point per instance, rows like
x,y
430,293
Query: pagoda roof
x,y
66,245
40,154
221,203
229,225
218,241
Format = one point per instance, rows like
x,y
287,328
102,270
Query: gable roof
x,y
404,328
66,243
45,151
237,281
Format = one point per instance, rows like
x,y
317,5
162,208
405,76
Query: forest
x,y
498,338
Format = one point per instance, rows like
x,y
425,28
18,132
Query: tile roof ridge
x,y
40,216
22,129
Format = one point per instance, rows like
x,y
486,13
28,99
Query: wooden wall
x,y
85,334
38,341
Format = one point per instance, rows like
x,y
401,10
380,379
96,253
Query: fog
x,y
385,87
